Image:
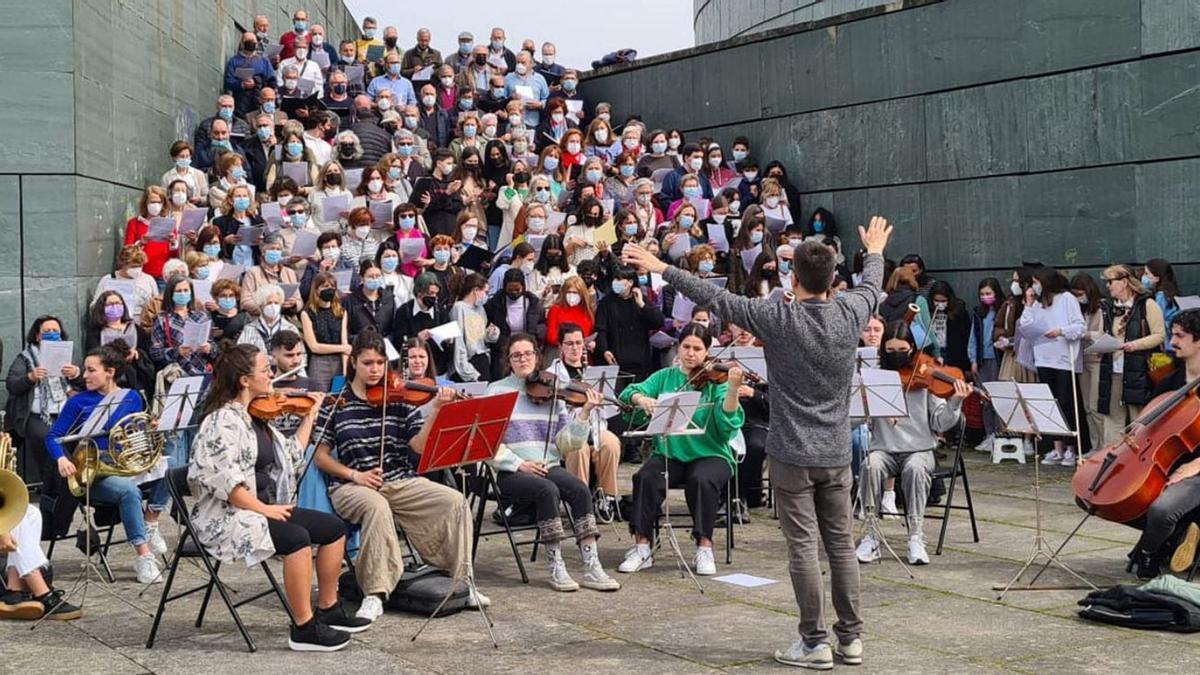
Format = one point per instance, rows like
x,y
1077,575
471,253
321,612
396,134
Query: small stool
x,y
1008,448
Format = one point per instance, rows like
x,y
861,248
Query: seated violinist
x,y
904,446
287,353
1164,528
381,495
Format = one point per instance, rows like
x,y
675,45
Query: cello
x,y
1120,482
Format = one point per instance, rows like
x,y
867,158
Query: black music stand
x,y
1032,409
877,393
462,433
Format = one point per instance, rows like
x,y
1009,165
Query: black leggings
x,y
303,529
1059,382
703,482
545,493
749,477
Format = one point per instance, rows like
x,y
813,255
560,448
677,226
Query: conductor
x,y
809,345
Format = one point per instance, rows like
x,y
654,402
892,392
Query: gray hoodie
x,y
810,353
928,415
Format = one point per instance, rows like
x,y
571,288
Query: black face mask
x,y
895,360
347,149
521,177
514,296
249,46
339,88
427,301
390,42
594,221
590,281
480,59
327,294
334,179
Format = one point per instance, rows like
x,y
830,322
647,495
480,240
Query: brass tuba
x,y
14,496
133,446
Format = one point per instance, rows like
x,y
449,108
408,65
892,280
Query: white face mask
x,y
362,232
271,312
573,299
133,272
601,135
290,83
573,148
154,208
179,198
331,253
301,54
385,104
673,143
1015,288
375,185
468,234
772,202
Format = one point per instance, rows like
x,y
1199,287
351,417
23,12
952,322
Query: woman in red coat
x,y
574,305
152,204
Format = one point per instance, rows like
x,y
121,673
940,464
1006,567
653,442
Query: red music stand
x,y
466,432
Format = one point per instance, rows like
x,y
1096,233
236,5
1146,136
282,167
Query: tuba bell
x,y
134,448
14,496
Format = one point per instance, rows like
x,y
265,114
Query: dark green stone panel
x,y
1074,218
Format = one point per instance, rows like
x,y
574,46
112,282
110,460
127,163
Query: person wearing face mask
x,y
413,154
297,218
361,240
319,42
985,364
644,208
246,73
764,275
820,224
580,235
513,310
468,131
299,30
260,332
791,194
574,304
472,356
524,260
601,144
131,263
415,318
468,234
166,336
260,151
1085,289
373,189
493,98
715,169
620,186
268,104
227,320
331,182
338,99
625,319
408,227
270,271
109,320
421,57
462,58
949,325
1016,354
402,89
439,195
151,205
774,205
904,447
207,141
231,172
294,152
238,210
449,276
370,303
446,90
323,323
329,258
1053,323
569,91
683,226
656,157
691,193
400,285
554,73
529,87
306,68
435,122
692,156
368,41
750,188
182,169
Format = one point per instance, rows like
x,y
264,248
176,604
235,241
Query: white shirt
x,y
1064,315
308,69
321,150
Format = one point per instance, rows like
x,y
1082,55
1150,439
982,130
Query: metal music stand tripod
x,y
1032,409
673,417
878,393
466,432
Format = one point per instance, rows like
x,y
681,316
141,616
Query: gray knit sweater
x,y
810,349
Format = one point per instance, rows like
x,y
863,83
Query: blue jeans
x,y
177,447
127,497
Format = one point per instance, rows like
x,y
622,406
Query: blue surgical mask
x,y
658,147
295,149
298,219
686,221
241,203
542,196
594,175
470,131
183,162
705,266
618,286
212,250
373,284
1037,289
818,226
407,223
643,280
691,192
569,85
466,103
465,48
497,92
1147,281
403,151
227,304
389,265
225,113
220,144
273,256
627,170
631,229
394,173
739,155
551,163
756,237
785,267
203,273
393,69
268,107
181,298
441,256
300,26
264,133
52,336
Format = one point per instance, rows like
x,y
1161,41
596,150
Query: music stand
x,y
462,433
878,393
1032,409
180,404
673,417
94,426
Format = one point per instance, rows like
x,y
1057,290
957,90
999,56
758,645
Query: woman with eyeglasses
x,y
1132,317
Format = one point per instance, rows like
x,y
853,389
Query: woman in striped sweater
x,y
529,468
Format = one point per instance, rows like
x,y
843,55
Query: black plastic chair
x,y
189,547
957,470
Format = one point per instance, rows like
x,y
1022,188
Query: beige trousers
x,y
1114,422
435,518
606,457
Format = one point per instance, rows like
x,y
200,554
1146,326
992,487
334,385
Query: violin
x,y
416,392
717,372
1121,481
275,405
925,373
544,385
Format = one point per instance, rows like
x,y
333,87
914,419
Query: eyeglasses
x,y
1108,280
521,356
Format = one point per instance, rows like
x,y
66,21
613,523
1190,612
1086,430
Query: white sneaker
x,y
1055,456
637,559
986,444
370,609
868,549
703,560
595,578
850,653
154,539
815,658
1069,458
146,569
887,505
560,579
477,599
917,555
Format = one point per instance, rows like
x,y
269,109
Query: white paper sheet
x,y
411,249
127,288
160,228
272,214
680,247
192,220
1105,344
716,237
382,213
447,331
877,393
333,206
353,178
202,288
681,309
53,356
673,415
305,244
343,280
196,333
297,171
745,580
661,340
1187,302
749,256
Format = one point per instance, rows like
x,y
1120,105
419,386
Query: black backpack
x,y
419,591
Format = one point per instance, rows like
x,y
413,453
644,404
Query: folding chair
x,y
483,489
730,515
105,519
189,547
956,470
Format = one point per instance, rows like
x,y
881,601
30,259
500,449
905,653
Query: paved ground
x,y
947,619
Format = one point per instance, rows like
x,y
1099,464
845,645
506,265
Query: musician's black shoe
x,y
336,617
57,609
1147,565
315,636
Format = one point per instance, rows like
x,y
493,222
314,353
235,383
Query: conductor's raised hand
x,y
875,237
636,256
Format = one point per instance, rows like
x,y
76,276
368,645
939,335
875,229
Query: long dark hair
x,y
1053,282
697,331
1162,269
954,306
754,279
112,355
552,242
1087,283
430,369
235,362
992,284
898,330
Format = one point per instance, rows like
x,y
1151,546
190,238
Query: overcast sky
x,y
583,32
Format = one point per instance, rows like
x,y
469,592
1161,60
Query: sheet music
x,y
180,402
96,423
877,393
54,356
604,380
673,415
1044,417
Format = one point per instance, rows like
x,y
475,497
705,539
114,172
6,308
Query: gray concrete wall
x,y
716,20
991,132
96,92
